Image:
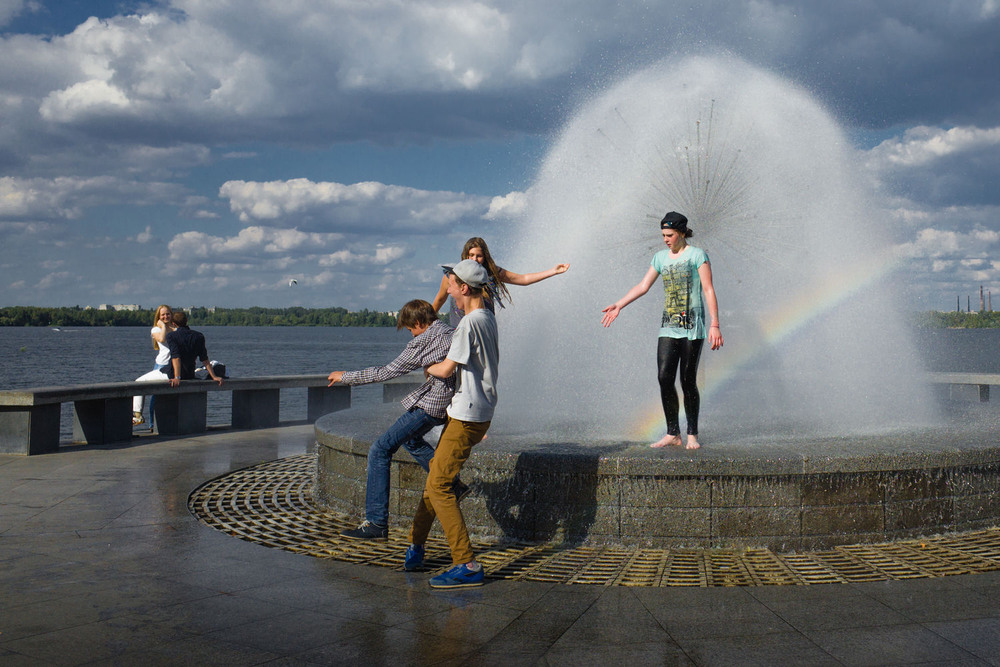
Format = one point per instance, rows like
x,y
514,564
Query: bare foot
x,y
667,441
692,442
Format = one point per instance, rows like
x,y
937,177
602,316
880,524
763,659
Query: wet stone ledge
x,y
782,496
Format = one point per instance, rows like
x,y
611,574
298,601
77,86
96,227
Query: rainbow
x,y
818,297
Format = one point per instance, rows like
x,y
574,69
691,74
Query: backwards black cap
x,y
674,220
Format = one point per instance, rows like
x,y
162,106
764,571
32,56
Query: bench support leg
x,y
256,408
29,430
102,421
324,400
181,414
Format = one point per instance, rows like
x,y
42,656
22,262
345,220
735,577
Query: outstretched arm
x,y
512,278
708,289
409,360
611,312
442,295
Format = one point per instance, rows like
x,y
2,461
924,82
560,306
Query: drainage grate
x,y
271,504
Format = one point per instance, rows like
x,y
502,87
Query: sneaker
x,y
459,576
414,558
460,489
367,531
137,419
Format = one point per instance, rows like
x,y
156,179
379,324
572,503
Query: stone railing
x,y
964,383
29,418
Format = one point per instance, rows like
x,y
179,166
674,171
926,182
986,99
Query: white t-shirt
x,y
474,347
163,354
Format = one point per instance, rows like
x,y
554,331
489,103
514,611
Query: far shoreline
x,y
258,316
136,316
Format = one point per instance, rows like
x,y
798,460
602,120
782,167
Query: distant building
x,y
119,306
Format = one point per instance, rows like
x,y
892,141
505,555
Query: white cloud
x,y
11,8
381,256
367,207
68,197
153,65
248,243
26,198
158,108
931,243
511,205
945,167
920,146
56,279
80,99
954,256
393,45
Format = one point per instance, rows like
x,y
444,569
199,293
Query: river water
x,y
37,357
40,357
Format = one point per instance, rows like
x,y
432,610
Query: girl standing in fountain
x,y
687,281
496,289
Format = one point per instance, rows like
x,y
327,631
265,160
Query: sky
x,y
208,152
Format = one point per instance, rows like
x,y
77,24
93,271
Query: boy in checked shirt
x,y
425,409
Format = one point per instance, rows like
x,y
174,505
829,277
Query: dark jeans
x,y
408,431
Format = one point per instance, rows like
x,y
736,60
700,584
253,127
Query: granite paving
x,y
101,563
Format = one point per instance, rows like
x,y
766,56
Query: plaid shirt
x,y
430,347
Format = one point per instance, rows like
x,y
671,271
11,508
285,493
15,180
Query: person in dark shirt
x,y
187,347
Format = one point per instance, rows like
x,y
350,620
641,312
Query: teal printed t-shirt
x,y
684,306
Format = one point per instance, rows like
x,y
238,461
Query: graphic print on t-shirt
x,y
677,289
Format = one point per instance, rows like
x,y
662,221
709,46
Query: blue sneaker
x,y
414,558
459,576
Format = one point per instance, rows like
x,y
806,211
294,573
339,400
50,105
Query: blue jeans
x,y
152,399
408,432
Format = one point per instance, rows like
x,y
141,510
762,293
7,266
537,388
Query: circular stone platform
x,y
778,493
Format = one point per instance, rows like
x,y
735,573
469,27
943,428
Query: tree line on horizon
x,y
257,316
939,319
75,316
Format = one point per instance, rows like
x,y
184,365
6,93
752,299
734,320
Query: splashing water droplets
x,y
769,185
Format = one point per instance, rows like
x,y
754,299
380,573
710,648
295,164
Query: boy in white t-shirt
x,y
474,356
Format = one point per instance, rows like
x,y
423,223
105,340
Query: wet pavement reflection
x,y
101,563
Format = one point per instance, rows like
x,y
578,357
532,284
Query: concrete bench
x,y
976,382
29,418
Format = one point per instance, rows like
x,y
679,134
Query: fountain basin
x,y
782,493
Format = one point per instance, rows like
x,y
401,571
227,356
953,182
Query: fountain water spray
x,y
772,191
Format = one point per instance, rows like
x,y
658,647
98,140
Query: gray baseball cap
x,y
469,271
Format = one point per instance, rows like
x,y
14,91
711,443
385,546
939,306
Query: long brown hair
x,y
502,294
156,318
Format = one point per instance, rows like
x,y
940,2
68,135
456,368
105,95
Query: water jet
x,y
817,426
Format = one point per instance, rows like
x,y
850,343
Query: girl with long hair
x,y
496,289
163,323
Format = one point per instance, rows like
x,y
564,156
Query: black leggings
x,y
671,352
